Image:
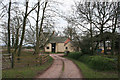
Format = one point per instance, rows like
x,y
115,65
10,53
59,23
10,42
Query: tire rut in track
x,y
61,68
55,70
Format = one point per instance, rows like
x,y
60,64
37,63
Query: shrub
x,y
85,44
75,55
99,62
102,63
84,58
95,62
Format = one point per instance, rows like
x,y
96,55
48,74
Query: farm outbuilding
x,y
60,44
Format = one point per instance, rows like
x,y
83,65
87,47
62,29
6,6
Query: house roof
x,y
68,40
58,39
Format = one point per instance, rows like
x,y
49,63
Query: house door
x,y
53,47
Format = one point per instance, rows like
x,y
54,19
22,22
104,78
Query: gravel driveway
x,y
61,68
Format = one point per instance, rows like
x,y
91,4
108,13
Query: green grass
x,y
26,58
90,73
26,72
63,66
26,67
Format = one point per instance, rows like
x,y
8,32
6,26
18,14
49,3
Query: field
x,y
28,66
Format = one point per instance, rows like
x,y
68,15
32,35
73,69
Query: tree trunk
x,y
17,40
96,46
104,44
41,24
91,34
9,48
102,38
24,25
23,31
119,42
17,36
37,36
119,57
112,46
113,31
42,18
13,38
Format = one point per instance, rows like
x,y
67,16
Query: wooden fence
x,y
9,61
42,59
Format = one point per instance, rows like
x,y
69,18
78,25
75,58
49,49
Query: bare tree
x,y
9,27
70,32
114,26
38,34
18,25
44,26
24,25
103,16
37,31
85,11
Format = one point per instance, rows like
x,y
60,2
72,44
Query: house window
x,y
66,48
47,47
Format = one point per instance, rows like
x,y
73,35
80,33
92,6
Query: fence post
x,y
40,59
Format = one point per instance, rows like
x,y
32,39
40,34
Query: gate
x,y
7,61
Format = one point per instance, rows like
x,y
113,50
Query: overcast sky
x,y
65,7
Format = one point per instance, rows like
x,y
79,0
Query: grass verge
x,y
26,72
90,73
